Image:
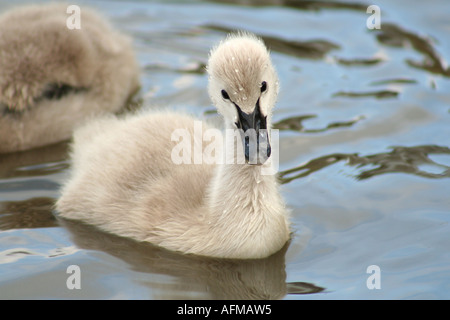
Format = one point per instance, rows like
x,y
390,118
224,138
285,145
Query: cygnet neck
x,y
241,187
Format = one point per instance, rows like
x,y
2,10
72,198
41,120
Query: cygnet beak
x,y
255,136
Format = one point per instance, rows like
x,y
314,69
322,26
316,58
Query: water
x,y
365,160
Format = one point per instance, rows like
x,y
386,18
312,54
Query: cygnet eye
x,y
263,86
225,95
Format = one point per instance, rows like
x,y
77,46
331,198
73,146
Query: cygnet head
x,y
243,85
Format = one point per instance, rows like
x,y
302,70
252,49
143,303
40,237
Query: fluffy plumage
x,y
124,180
53,78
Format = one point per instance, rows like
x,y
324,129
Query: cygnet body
x,y
124,179
54,78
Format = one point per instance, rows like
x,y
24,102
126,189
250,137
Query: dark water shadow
x,y
359,61
27,214
301,4
392,35
218,278
198,68
378,94
296,124
308,49
35,162
399,160
133,103
393,81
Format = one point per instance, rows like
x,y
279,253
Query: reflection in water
x,y
31,213
318,5
34,212
393,35
393,81
303,288
310,167
401,159
309,49
218,278
315,5
36,162
359,61
261,279
295,124
198,68
292,123
134,102
380,94
390,35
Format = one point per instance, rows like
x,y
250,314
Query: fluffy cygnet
x,y
124,179
52,78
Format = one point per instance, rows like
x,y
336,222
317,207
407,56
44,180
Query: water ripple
x,y
408,160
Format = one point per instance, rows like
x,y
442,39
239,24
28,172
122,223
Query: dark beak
x,y
254,135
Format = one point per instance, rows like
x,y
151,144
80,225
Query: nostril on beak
x,y
257,149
